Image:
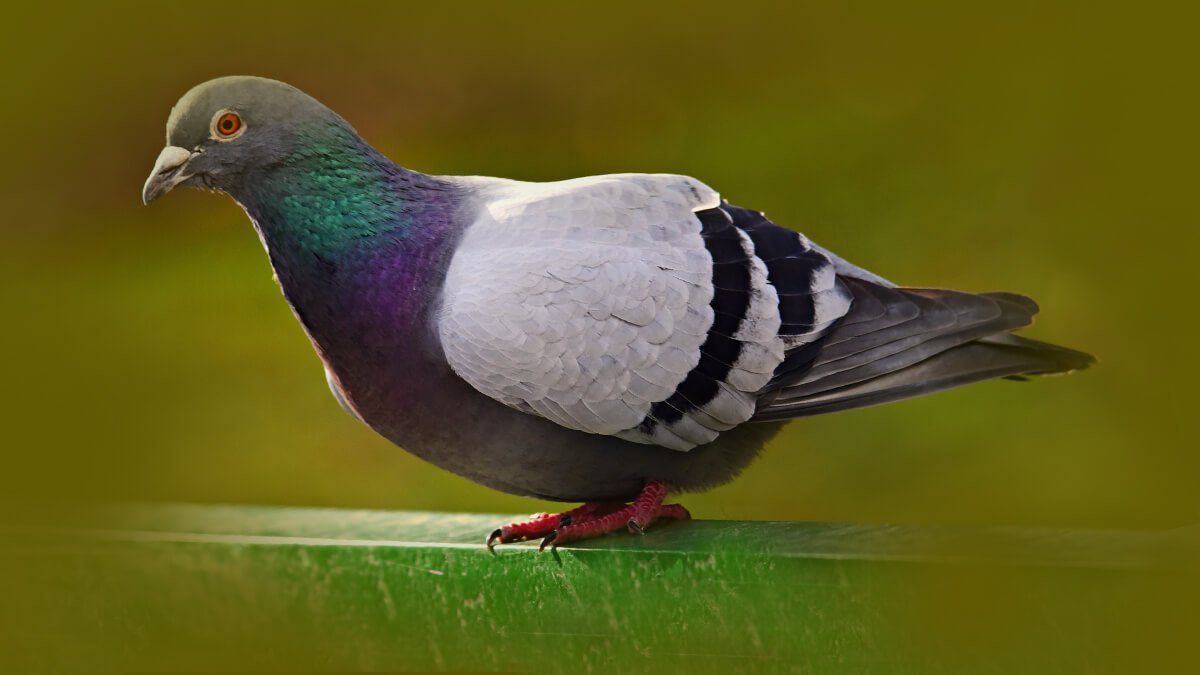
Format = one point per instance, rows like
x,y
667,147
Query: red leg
x,y
636,517
593,519
541,524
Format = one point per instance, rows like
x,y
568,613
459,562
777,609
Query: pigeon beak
x,y
170,169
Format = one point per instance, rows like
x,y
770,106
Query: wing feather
x,y
583,301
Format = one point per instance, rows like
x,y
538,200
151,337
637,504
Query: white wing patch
x,y
762,348
583,301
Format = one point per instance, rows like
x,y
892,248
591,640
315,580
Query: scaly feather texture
x,y
573,340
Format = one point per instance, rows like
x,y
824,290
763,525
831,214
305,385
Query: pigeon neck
x,y
333,193
340,221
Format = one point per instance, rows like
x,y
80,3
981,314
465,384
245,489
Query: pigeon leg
x,y
636,517
541,524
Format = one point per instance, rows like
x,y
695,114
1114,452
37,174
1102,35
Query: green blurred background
x,y
1045,150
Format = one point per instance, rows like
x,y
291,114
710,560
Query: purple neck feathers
x,y
360,247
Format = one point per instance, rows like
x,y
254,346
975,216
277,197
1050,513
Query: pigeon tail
x,y
898,343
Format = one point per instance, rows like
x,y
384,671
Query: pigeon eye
x,y
226,125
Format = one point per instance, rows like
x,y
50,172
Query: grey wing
x,y
627,305
643,307
884,343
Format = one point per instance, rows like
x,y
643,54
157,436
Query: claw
x,y
635,527
497,533
547,540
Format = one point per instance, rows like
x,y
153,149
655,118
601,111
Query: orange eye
x,y
228,124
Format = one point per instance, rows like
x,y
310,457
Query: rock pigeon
x,y
606,339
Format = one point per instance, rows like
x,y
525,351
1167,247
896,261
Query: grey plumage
x,y
897,343
570,340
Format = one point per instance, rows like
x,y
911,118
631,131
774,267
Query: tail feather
x,y
942,339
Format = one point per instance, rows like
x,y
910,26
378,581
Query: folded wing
x,y
630,305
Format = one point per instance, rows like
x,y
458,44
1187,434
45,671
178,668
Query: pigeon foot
x,y
593,519
541,524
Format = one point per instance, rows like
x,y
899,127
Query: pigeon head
x,y
226,131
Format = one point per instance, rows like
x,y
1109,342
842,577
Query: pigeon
x,y
606,340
